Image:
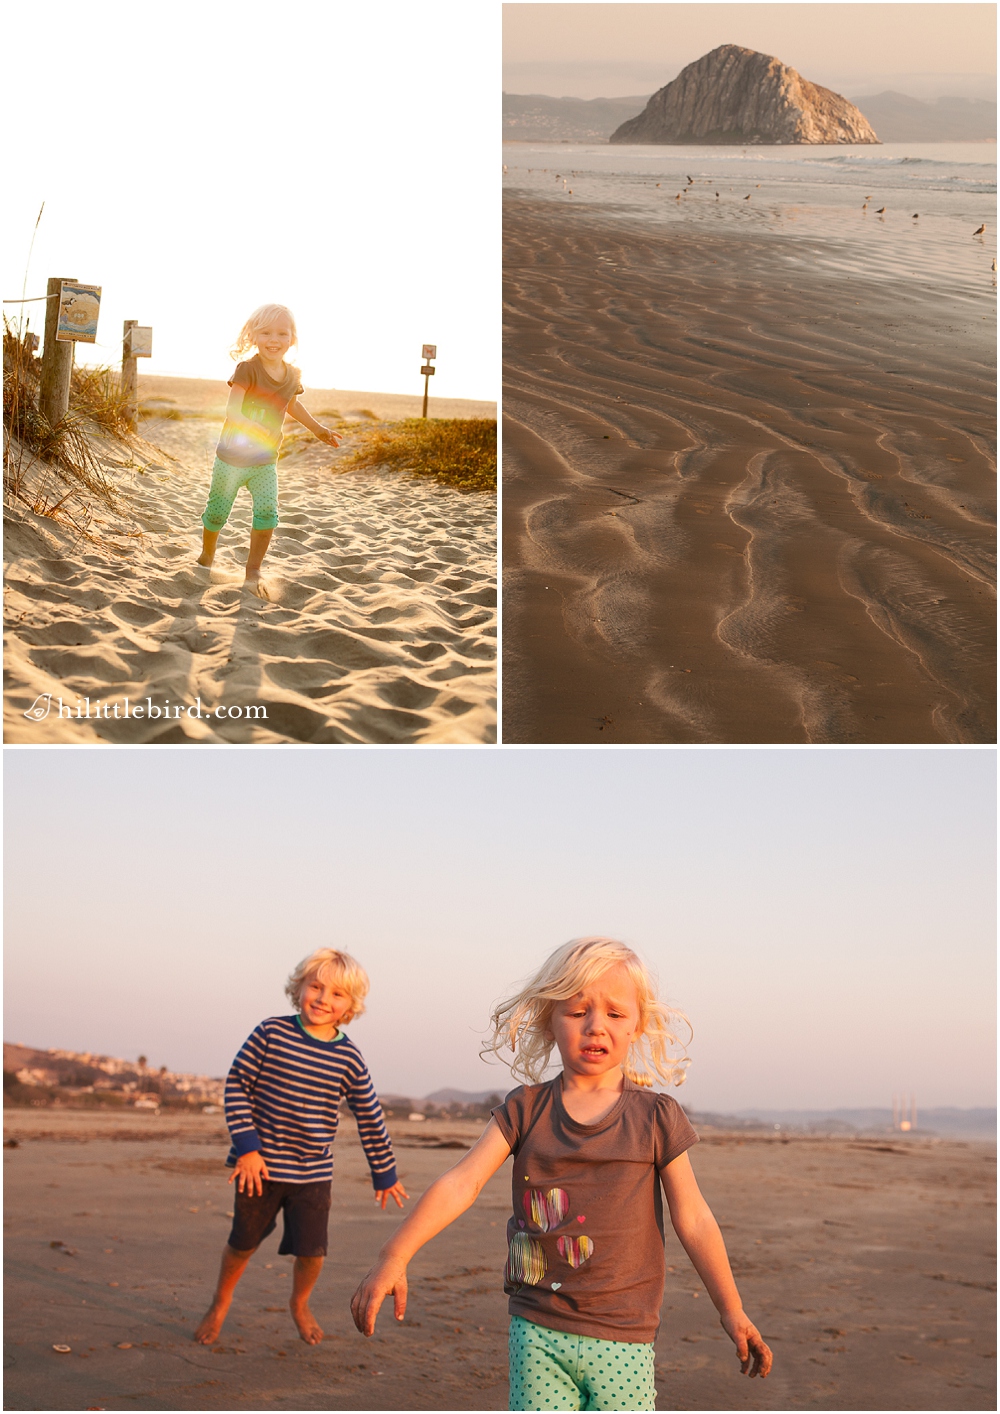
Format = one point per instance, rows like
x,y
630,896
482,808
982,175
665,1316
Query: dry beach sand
x,y
746,499
380,628
866,1263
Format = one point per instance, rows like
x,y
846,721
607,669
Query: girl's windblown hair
x,y
260,319
330,966
521,1023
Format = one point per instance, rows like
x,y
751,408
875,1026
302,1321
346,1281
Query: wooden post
x,y
130,376
57,360
427,384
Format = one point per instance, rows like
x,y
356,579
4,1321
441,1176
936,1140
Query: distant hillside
x,y
32,1077
532,117
897,117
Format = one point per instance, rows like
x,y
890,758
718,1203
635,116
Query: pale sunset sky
x,y
824,916
607,50
199,160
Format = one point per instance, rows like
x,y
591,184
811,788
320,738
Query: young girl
x,y
264,389
586,1264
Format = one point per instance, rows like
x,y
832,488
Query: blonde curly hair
x,y
520,1024
329,965
246,339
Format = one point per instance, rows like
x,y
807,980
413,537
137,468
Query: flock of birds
x,y
880,211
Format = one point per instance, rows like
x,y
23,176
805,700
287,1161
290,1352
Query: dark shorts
x,y
306,1210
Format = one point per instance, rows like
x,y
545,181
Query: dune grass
x,y
457,451
96,400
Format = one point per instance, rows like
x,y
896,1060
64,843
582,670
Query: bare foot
x,y
309,1328
208,1332
206,562
256,585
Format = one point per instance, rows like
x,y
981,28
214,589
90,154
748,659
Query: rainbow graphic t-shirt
x,y
265,401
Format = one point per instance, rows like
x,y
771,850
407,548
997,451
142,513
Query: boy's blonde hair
x,y
329,965
266,314
521,1023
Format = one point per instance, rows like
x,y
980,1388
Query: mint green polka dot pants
x,y
555,1370
260,481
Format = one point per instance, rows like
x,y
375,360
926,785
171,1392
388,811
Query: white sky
x,y
825,917
603,50
197,160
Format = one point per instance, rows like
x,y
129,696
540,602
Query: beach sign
x,y
428,352
79,306
139,341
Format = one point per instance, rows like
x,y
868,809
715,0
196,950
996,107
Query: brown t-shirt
x,y
585,1244
265,400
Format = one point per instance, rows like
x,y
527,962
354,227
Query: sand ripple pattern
x,y
381,627
741,504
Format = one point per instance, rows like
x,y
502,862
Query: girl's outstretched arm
x,y
296,410
446,1199
701,1239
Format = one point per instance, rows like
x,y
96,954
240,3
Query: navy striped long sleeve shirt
x,y
283,1097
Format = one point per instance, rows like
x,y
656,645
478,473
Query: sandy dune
x,y
744,500
867,1264
380,628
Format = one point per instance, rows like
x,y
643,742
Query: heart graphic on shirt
x,y
556,1285
581,1219
525,1261
546,1210
576,1250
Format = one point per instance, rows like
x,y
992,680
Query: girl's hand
x,y
397,1191
249,1172
331,438
387,1276
749,1344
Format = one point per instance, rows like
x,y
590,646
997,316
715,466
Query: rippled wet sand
x,y
745,499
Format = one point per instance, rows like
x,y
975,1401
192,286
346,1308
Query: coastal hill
x,y
735,95
897,117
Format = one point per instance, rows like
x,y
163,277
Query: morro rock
x,y
736,95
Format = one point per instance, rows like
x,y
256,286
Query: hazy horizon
x,y
824,917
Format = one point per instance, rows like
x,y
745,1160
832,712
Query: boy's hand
x,y
325,435
397,1191
387,1276
750,1346
249,1173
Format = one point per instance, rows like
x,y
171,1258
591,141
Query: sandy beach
x,y
380,626
866,1263
747,497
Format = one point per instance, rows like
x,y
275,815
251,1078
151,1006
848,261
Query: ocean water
x,y
809,200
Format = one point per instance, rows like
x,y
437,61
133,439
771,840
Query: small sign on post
x,y
137,342
79,307
428,352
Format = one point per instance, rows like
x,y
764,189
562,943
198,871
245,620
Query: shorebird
x,y
880,211
916,215
994,265
690,181
677,197
981,230
716,194
747,197
865,207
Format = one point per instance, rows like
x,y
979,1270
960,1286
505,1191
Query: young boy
x,y
283,1098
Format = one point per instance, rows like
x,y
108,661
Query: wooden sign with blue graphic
x,y
79,306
